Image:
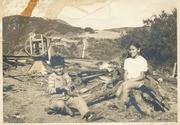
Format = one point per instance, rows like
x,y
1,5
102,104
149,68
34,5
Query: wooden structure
x,y
39,48
39,45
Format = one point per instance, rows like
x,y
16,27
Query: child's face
x,y
133,51
58,70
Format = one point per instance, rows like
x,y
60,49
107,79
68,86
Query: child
x,y
135,68
63,99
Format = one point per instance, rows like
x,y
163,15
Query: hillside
x,y
17,28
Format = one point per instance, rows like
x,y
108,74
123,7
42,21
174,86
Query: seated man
x,y
135,67
60,87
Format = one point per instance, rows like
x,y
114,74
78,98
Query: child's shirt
x,y
134,66
58,81
55,82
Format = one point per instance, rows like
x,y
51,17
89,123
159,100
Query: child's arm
x,y
51,84
69,83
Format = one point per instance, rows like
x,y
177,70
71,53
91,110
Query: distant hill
x,y
122,29
16,28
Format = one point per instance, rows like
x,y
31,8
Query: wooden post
x,y
84,47
49,51
42,42
174,69
30,43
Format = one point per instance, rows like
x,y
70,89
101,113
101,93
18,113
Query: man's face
x,y
133,51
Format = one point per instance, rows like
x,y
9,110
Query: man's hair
x,y
134,43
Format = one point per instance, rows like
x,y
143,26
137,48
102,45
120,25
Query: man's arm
x,y
125,75
112,80
139,78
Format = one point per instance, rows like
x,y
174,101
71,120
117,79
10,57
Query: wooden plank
x,y
30,42
87,89
42,42
174,70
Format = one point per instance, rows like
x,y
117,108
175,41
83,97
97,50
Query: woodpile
x,y
153,96
149,98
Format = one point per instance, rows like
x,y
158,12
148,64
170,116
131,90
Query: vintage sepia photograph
x,y
89,61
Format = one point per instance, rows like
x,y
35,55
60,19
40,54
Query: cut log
x,y
153,94
142,105
152,84
99,94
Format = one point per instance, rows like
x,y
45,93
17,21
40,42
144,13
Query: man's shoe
x,y
93,117
68,111
50,111
121,107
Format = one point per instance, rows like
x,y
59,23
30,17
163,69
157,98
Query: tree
x,y
163,37
158,38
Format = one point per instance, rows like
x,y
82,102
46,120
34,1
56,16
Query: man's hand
x,y
104,87
74,93
52,90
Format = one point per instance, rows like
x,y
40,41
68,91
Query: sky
x,y
101,15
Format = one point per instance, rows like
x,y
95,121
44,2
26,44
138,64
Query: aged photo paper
x,y
89,61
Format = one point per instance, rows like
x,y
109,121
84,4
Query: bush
x,y
88,29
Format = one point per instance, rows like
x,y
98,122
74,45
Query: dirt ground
x,y
24,100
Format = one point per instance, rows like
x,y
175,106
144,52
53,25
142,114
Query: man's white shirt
x,y
134,66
